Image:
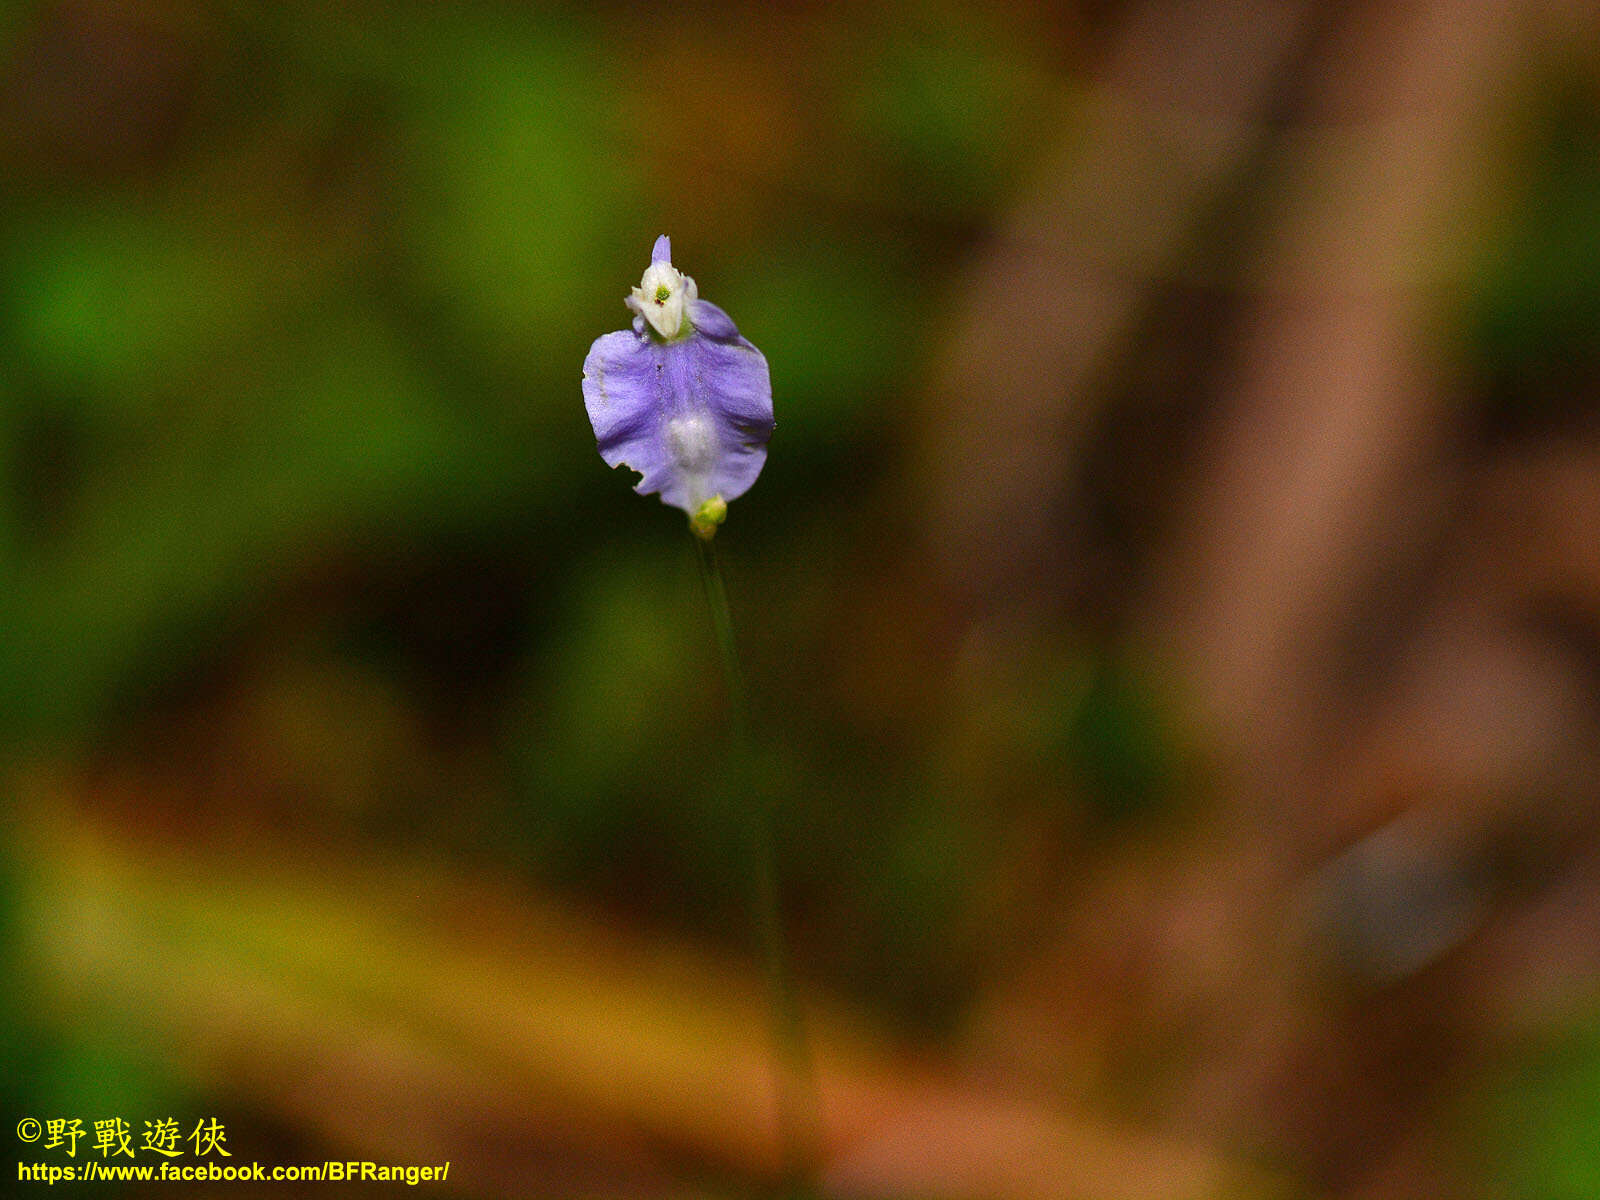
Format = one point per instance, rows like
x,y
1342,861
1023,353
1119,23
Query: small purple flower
x,y
680,398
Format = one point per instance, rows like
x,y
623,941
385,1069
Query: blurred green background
x,y
1171,605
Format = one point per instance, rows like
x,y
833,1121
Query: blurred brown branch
x,y
1397,719
1182,101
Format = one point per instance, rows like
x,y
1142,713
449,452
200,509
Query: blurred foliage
x,y
309,316
1533,1122
1533,312
301,518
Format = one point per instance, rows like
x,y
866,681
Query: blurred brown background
x,y
1171,606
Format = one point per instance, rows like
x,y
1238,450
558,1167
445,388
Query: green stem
x,y
799,1117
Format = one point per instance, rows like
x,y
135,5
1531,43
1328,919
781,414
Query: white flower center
x,y
662,296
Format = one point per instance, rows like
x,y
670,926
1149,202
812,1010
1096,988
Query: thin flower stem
x,y
799,1116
